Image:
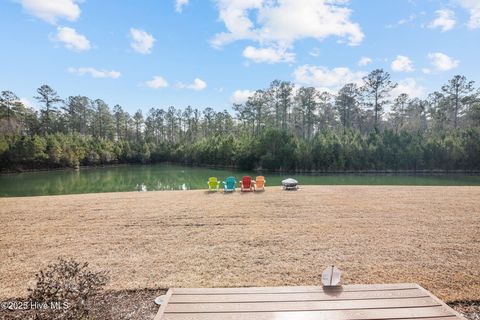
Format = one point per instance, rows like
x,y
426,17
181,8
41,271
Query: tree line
x,y
282,127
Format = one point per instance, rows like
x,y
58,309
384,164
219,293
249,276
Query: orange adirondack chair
x,y
246,184
260,183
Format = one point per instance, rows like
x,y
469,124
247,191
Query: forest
x,y
362,127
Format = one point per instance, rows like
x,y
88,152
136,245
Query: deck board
x,y
312,296
354,287
350,302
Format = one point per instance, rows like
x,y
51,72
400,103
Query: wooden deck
x,y
350,302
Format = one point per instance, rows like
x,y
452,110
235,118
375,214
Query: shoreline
x,y
237,190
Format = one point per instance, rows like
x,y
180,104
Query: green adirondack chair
x,y
213,184
229,184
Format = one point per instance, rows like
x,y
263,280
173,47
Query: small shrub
x,y
65,287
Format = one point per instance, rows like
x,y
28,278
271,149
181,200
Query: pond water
x,y
173,177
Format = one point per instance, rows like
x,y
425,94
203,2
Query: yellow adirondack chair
x,y
213,184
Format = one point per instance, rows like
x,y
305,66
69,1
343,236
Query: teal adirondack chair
x,y
229,184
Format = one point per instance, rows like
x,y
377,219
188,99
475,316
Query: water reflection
x,y
169,177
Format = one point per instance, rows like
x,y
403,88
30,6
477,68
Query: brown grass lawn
x,y
375,234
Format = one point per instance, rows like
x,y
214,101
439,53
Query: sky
x,y
213,53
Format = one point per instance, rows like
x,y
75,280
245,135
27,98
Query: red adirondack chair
x,y
246,184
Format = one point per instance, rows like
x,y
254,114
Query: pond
x,y
173,177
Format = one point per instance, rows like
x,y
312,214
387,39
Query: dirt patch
x,y
469,309
121,305
375,234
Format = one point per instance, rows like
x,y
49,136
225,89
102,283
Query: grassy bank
x,y
375,234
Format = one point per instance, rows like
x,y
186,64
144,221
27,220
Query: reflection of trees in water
x,y
166,177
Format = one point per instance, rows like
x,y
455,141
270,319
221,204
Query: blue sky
x,y
210,53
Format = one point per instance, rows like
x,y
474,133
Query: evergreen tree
x,y
458,92
377,86
50,99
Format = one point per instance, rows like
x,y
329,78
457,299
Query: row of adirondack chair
x,y
229,185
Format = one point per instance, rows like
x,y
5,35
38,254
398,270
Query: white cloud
x,y
241,96
445,20
142,41
197,85
426,70
403,21
72,39
410,87
322,77
279,24
473,6
402,64
28,103
94,73
442,62
269,55
179,4
410,18
157,82
315,52
364,61
51,10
